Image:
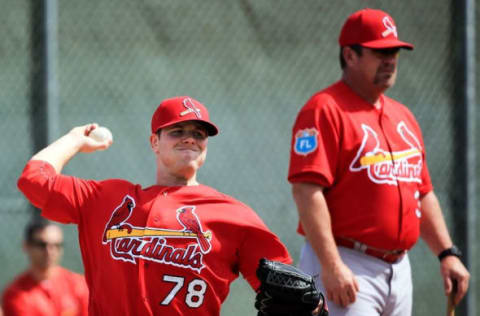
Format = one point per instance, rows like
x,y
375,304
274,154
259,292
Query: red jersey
x,y
370,161
154,251
65,293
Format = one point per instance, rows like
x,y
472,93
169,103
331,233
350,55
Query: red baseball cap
x,y
371,28
181,109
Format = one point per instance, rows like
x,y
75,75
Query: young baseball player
x,y
172,248
45,288
361,183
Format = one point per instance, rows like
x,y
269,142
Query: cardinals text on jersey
x,y
128,242
387,167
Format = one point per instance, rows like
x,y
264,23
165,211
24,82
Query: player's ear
x,y
154,138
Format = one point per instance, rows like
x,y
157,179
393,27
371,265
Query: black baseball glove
x,y
287,291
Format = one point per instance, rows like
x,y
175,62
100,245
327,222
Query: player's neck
x,y
171,180
183,176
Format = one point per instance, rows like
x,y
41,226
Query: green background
x,y
253,64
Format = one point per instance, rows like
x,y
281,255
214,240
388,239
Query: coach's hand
x,y
340,284
452,269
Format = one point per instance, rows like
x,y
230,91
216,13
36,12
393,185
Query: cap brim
x,y
212,130
386,43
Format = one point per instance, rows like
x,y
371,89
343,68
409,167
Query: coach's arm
x,y
340,283
434,232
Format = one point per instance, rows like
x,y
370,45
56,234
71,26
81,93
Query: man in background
x,y
361,183
45,288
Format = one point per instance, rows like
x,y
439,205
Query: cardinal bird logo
x,y
189,220
119,216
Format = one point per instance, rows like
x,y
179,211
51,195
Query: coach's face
x,y
180,149
379,66
372,71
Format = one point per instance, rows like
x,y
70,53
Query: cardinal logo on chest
x,y
182,247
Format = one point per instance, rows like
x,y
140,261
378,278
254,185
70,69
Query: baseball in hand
x,y
101,134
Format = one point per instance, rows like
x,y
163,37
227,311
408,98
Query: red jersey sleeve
x,y
426,185
259,242
314,146
60,197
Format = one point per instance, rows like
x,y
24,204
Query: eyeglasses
x,y
44,245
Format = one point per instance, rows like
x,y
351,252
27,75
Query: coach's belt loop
x,y
359,246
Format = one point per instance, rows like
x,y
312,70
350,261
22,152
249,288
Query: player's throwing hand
x,y
88,140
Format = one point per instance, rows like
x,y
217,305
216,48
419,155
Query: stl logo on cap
x,y
391,28
190,107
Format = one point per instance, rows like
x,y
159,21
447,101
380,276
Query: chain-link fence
x,y
253,63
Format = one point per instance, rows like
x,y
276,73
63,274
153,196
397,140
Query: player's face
x,y
379,66
181,149
46,247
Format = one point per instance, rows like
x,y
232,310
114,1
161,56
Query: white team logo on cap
x,y
188,103
390,27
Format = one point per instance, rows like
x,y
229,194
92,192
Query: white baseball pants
x,y
384,289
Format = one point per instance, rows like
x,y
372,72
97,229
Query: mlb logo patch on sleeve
x,y
305,141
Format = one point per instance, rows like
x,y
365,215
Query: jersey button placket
x,y
391,149
153,220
